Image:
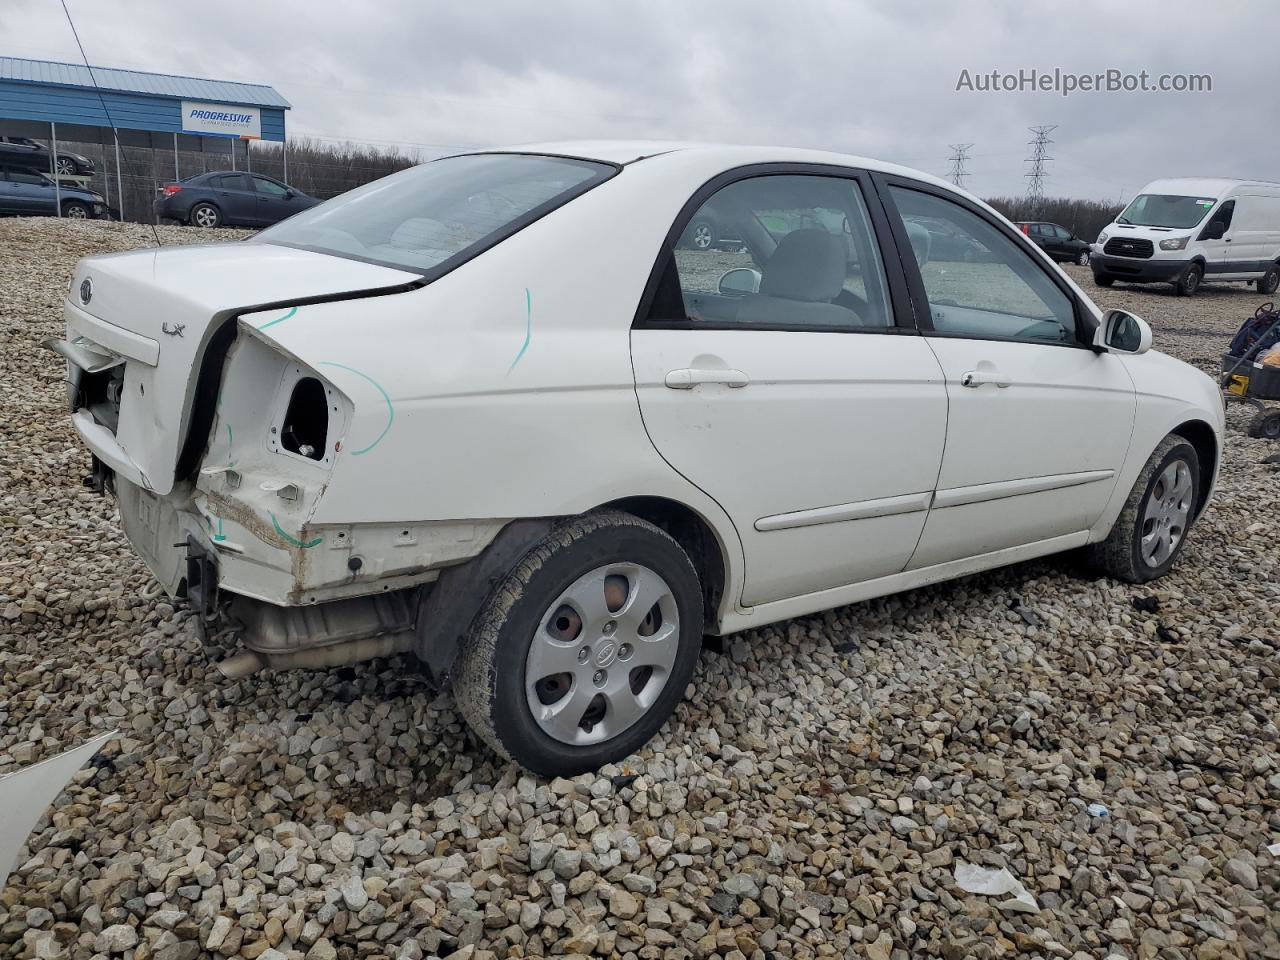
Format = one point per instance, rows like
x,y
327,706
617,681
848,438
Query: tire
x,y
702,235
205,215
1082,258
1269,281
1102,280
1189,282
1265,425
66,167
1173,472
75,210
534,622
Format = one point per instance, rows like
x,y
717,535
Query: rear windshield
x,y
431,217
1165,210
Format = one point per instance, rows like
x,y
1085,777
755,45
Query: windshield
x,y
432,217
1166,210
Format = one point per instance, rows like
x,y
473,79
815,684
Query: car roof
x,y
1200,186
631,151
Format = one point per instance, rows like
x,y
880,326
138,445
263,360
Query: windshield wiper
x,y
1124,220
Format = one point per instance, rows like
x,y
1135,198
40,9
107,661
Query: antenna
x,y
102,100
1039,157
959,156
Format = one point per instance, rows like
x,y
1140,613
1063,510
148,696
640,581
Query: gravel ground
x,y
812,798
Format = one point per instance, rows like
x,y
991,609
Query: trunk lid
x,y
160,309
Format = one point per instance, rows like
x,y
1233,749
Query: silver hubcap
x,y
76,213
1164,522
206,217
66,166
702,236
1083,259
602,653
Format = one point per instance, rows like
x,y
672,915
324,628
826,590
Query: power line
x,y
1039,157
959,155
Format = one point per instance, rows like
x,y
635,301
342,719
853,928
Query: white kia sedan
x,y
500,411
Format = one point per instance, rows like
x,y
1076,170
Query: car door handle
x,y
687,378
977,378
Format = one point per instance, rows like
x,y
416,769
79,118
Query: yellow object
x,y
1239,385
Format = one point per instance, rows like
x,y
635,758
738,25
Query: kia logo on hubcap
x,y
86,290
606,652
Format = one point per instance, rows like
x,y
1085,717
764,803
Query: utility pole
x,y
1039,157
959,156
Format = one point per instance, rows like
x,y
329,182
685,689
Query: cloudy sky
x,y
872,78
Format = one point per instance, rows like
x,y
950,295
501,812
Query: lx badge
x,y
173,331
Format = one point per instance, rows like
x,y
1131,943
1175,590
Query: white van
x,y
1192,229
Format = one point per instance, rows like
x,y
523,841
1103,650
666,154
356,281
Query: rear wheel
x,y
1269,281
1082,258
205,215
1189,282
585,648
75,210
1151,529
1265,425
702,235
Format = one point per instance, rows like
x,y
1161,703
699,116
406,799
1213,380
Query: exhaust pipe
x,y
248,662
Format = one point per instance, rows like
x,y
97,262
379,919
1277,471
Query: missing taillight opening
x,y
306,421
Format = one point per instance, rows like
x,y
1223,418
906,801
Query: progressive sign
x,y
221,120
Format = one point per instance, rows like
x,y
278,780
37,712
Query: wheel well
x,y
694,535
1200,435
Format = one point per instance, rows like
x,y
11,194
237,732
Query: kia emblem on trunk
x,y
86,290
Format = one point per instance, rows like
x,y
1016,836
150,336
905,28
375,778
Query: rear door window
x,y
797,252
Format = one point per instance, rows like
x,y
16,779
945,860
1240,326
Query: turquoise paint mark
x,y
528,328
294,540
272,323
391,412
219,535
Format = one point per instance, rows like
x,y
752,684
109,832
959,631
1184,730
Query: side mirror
x,y
289,194
1123,331
1214,231
739,282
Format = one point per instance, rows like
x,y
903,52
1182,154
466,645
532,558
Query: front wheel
x,y
1082,258
585,648
1152,528
75,210
1269,281
1189,282
66,167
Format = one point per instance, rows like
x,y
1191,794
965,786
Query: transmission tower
x,y
1039,157
959,156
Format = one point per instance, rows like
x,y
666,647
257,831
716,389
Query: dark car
x,y
1057,241
33,155
946,243
29,193
227,197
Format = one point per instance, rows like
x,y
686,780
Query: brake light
x,y
1025,229
171,189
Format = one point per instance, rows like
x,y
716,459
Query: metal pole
x,y
248,156
284,153
53,160
176,175
106,178
233,154
119,175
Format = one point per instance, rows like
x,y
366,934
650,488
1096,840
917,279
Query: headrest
x,y
808,265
